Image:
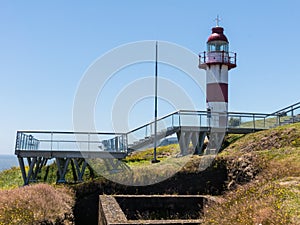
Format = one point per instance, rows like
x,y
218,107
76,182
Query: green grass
x,y
264,203
264,123
143,172
260,123
146,155
273,197
11,178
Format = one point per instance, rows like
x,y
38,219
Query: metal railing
x,y
250,120
167,125
290,114
217,57
70,141
26,141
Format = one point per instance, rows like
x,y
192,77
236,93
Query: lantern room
x,y
217,46
217,41
217,50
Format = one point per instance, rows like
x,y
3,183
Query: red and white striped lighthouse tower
x,y
217,61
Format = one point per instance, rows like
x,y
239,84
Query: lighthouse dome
x,y
217,35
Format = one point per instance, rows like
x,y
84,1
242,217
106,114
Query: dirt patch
x,y
242,169
290,182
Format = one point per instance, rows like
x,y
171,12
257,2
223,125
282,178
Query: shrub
x,y
234,122
36,204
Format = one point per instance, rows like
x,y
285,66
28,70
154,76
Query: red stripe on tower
x,y
217,92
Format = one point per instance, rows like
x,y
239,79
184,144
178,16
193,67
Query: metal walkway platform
x,y
190,127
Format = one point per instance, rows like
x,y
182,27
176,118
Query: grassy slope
x,y
11,178
273,196
263,177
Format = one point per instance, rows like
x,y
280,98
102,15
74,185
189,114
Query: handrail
x,y
247,113
230,56
192,112
183,118
198,112
69,140
291,107
69,132
237,113
159,119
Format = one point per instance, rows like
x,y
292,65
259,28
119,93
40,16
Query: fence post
x,y
234,58
293,119
146,129
89,137
126,141
240,122
26,142
51,141
17,146
200,119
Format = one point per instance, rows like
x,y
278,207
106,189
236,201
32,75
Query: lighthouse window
x,y
217,46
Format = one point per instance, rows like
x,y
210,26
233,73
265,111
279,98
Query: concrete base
x,y
151,209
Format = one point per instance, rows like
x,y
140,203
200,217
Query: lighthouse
x,y
217,61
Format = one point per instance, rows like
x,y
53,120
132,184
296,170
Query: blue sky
x,y
46,46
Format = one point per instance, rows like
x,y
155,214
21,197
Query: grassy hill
x,y
263,179
257,177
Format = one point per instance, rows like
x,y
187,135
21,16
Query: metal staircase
x,y
288,115
148,140
190,127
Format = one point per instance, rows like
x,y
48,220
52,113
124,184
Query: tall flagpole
x,y
154,160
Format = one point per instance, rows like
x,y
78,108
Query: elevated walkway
x,y
287,115
190,127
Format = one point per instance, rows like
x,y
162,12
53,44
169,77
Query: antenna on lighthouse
x,y
218,19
